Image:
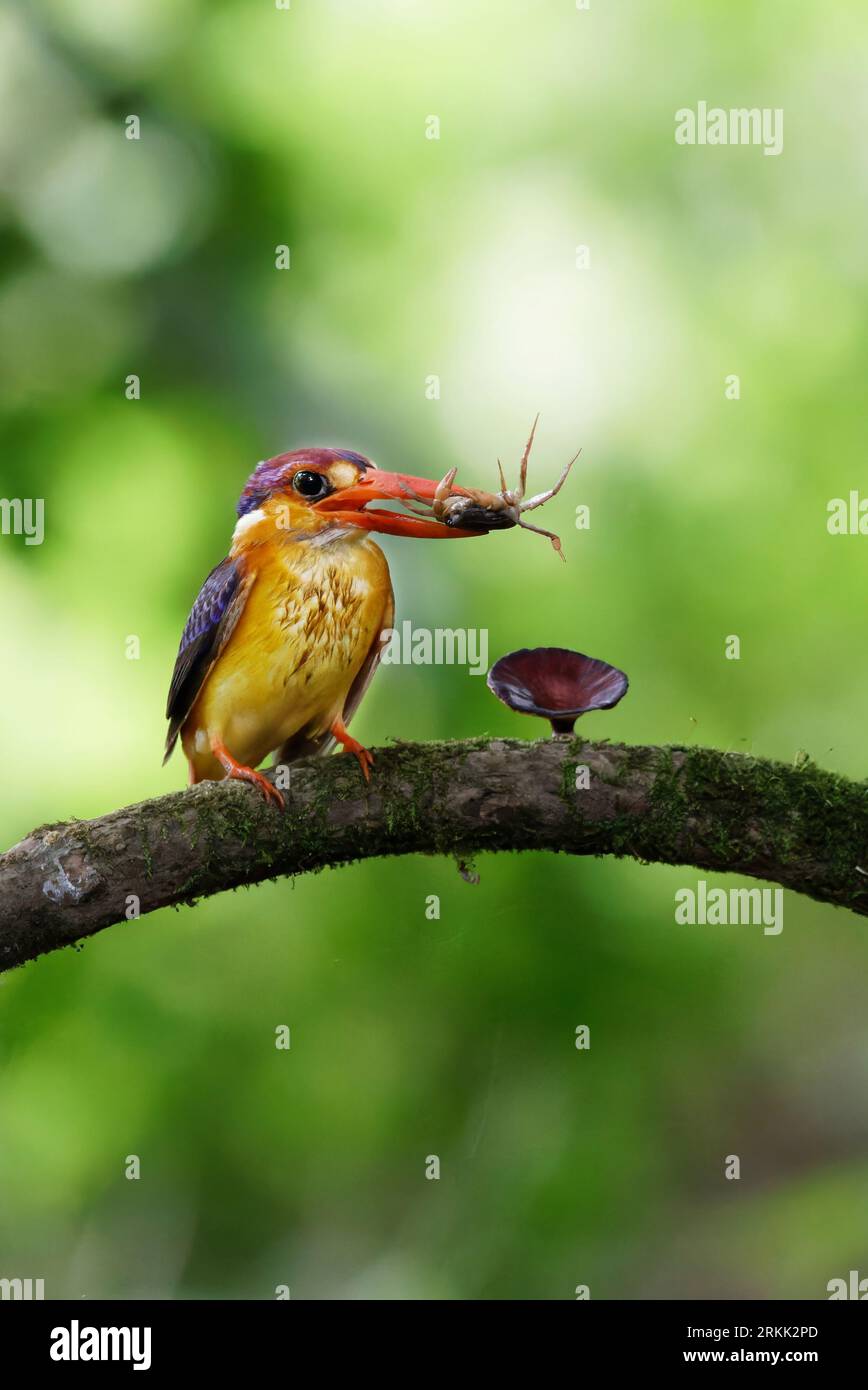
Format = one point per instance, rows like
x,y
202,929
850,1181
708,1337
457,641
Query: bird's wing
x,y
301,746
371,661
211,622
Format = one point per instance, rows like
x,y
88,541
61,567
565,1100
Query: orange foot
x,y
246,774
352,745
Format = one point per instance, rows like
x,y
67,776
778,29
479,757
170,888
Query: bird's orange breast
x,y
312,616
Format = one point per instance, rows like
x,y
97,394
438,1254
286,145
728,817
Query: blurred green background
x,y
454,257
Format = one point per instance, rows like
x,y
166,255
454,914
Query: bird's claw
x,y
239,772
365,759
272,795
363,755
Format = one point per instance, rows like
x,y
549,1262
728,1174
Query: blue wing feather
x,y
212,618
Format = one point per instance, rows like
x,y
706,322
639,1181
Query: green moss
x,y
668,802
146,847
764,808
567,790
725,809
668,805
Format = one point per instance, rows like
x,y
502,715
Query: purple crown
x,y
270,475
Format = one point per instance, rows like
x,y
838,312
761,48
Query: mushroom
x,y
556,684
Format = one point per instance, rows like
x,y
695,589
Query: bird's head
x,y
321,489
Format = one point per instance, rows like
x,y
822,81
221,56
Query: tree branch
x,y
801,827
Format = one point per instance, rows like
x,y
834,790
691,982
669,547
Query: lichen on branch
x,y
798,826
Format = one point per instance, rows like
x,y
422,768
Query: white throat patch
x,y
245,522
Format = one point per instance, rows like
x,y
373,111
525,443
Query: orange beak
x,y
350,506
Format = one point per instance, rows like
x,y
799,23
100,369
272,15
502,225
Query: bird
x,y
285,635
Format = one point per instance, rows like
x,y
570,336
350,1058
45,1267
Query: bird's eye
x,y
310,484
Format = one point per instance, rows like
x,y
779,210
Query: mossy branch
x,y
799,826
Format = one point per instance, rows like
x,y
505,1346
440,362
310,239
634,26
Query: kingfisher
x,y
285,635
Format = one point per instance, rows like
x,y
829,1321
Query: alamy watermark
x,y
77,1343
25,1289
854,1287
847,516
439,646
741,125
23,516
752,907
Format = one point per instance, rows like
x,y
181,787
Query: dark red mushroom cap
x,y
556,684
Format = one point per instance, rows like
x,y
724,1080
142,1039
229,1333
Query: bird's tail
x,y
171,740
